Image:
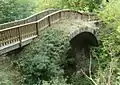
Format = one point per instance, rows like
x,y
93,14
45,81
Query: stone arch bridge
x,y
80,27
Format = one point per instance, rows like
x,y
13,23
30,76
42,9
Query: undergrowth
x,y
44,58
48,60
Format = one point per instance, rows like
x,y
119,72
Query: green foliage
x,y
110,35
85,5
44,57
45,4
56,81
108,57
110,74
110,14
108,52
78,79
47,59
4,79
14,9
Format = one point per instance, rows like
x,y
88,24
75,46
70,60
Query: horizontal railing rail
x,y
17,36
32,18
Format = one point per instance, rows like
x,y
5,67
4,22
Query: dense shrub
x,y
108,52
80,79
56,81
44,58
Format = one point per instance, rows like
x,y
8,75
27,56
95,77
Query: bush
x,y
108,58
108,52
44,58
56,81
80,79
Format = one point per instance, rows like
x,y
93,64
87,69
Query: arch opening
x,y
84,39
81,44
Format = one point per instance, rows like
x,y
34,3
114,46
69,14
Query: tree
x,y
86,5
14,9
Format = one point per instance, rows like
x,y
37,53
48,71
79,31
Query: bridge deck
x,y
71,26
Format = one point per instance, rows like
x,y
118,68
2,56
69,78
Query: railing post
x,y
81,16
60,15
88,17
20,38
49,21
37,29
0,39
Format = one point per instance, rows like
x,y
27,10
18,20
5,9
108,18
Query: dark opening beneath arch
x,y
84,39
80,48
80,52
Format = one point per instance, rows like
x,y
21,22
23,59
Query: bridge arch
x,y
83,37
81,44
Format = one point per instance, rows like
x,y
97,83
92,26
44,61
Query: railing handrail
x,y
64,10
29,23
34,15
